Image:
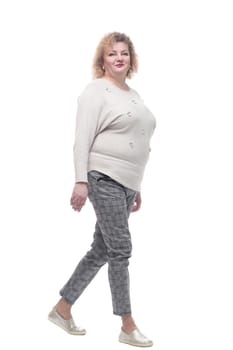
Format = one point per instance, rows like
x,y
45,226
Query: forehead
x,y
117,46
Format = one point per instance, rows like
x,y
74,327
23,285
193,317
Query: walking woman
x,y
112,146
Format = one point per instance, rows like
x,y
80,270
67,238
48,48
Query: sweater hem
x,y
122,171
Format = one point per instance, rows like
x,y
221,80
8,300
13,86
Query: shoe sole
x,y
136,344
65,329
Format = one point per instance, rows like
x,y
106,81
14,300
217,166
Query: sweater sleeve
x,y
89,108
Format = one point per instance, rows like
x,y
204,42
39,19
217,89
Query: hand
x,y
79,196
137,203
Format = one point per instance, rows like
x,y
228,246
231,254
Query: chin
x,y
121,71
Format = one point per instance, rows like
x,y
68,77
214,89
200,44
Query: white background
x,y
181,269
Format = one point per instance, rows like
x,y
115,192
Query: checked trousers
x,y
111,244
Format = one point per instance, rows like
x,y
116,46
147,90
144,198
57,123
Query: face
x,y
117,60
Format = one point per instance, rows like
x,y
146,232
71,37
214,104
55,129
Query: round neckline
x,y
112,84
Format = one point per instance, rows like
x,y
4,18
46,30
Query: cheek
x,y
108,66
107,62
128,60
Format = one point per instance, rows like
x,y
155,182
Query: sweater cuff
x,y
81,178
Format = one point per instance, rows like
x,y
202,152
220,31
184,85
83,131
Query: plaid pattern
x,y
112,203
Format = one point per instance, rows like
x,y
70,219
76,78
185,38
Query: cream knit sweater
x,y
113,131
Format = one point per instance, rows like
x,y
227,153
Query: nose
x,y
119,57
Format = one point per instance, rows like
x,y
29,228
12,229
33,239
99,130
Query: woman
x,y
113,131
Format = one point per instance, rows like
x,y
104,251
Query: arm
x,y
87,125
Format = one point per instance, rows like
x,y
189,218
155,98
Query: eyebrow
x,y
125,50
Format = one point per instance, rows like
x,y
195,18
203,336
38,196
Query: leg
x,y
85,271
82,276
112,203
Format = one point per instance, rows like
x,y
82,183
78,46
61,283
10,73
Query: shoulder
x,y
94,92
94,87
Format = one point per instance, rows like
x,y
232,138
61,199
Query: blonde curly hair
x,y
108,40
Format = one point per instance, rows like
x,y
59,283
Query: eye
x,y
126,54
111,54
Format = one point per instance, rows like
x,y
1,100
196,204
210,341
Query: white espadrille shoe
x,y
68,325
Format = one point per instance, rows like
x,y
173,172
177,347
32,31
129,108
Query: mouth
x,y
119,65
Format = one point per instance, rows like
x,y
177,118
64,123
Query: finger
x,y
133,208
78,206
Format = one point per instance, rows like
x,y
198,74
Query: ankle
x,y
128,324
128,330
63,309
